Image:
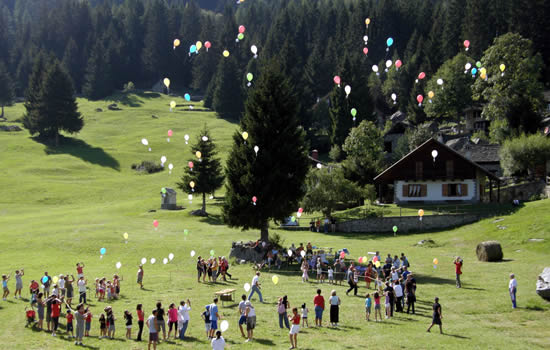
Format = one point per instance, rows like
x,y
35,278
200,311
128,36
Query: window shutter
x,y
424,191
445,190
464,190
405,190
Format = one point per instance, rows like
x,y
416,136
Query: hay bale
x,y
489,251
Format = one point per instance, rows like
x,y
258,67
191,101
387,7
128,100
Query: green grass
x,y
61,206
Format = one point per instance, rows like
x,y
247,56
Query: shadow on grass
x,y
456,336
428,279
80,149
212,220
501,261
264,341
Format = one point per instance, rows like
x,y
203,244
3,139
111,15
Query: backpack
x,y
281,308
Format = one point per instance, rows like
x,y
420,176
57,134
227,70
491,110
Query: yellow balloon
x,y
367,21
436,261
167,82
176,42
198,44
502,67
198,154
55,279
483,71
225,53
275,279
192,184
421,212
125,235
431,94
245,135
173,104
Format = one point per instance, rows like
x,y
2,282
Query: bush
x,y
276,240
129,87
148,167
525,153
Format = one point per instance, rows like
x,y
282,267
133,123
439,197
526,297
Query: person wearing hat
x,y
458,270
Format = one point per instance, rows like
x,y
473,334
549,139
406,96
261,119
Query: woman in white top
x,y
218,343
334,308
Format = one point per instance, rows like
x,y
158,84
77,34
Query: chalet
x,y
478,151
434,172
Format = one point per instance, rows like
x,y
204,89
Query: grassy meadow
x,y
61,205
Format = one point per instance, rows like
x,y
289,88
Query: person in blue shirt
x,y
214,316
405,261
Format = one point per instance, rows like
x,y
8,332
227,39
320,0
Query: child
x,y
34,289
330,275
368,304
111,322
304,315
55,290
141,319
18,283
377,307
109,293
5,280
56,311
102,326
295,318
387,303
70,317
206,317
172,320
140,280
305,268
128,318
88,322
30,315
79,270
40,309
152,324
319,269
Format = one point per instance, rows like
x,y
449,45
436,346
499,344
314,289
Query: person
x,y
18,282
250,314
200,269
326,223
318,225
242,317
405,272
282,306
368,305
69,288
80,316
160,319
214,317
46,281
172,320
89,316
409,291
394,274
34,289
377,307
293,334
305,268
398,290
5,279
309,249
183,317
396,262
69,328
458,270
512,288
319,269
141,319
390,299
40,310
405,261
305,311
128,317
206,317
82,290
152,324
102,326
333,224
255,288
319,303
218,343
61,285
334,308
80,270
330,275
437,316
56,311
111,321
351,281
140,282
312,225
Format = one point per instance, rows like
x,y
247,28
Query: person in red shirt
x,y
295,329
56,310
458,270
70,318
31,314
88,322
141,318
319,303
80,269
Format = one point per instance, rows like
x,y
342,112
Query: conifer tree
x,y
6,88
98,83
227,98
72,64
341,120
274,176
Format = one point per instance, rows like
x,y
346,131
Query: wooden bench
x,y
226,295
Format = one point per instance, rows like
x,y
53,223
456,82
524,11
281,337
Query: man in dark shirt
x,y
391,294
387,270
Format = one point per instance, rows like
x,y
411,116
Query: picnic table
x,y
226,295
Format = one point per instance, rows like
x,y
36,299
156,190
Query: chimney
x,y
315,154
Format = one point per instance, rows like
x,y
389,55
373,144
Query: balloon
x,y
244,135
176,42
483,71
293,218
256,149
422,75
436,261
431,94
55,279
254,199
187,97
192,184
398,64
225,53
205,138
365,50
395,229
102,251
388,63
377,264
319,165
190,197
224,325
192,253
198,154
143,261
483,76
165,261
375,68
468,66
170,166
192,49
367,21
478,64
186,232
439,81
502,67
289,252
240,36
153,260
198,44
275,279
389,42
303,253
163,159
394,97
212,252
118,265
420,98
207,45
190,164
353,112
421,212
144,142
246,287
298,214
366,38
467,44
166,82
360,260
474,71
300,210
375,259
434,154
254,49
163,190
336,80
125,235
173,104
249,76
347,89
155,223
342,255
241,29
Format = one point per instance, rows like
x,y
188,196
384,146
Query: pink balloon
x,y
342,255
207,44
300,210
170,133
190,164
155,223
336,80
398,64
375,259
365,50
254,199
420,98
241,29
422,75
466,43
360,260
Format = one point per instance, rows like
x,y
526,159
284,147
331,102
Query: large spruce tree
x,y
227,97
6,88
276,173
207,173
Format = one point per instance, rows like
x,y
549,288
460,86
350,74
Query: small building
x,y
480,152
392,136
435,173
475,121
168,199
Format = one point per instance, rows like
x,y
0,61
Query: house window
x,y
388,146
450,169
415,190
455,190
419,170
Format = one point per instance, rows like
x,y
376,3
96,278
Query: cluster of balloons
x,y
240,36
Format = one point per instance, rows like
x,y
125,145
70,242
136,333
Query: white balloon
x,y
192,253
375,68
366,38
394,96
246,287
439,81
388,63
165,261
468,66
163,159
298,214
205,138
224,325
143,261
319,165
153,260
190,197
434,154
254,49
256,149
186,137
171,256
347,89
289,252
303,253
118,265
170,166
145,142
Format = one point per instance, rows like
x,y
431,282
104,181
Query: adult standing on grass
x,y
140,279
82,290
351,281
18,282
437,316
70,289
250,314
398,290
183,317
46,281
160,320
334,308
242,317
319,303
141,318
256,287
282,306
458,270
152,324
512,288
214,317
409,291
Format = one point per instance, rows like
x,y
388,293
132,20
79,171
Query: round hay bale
x,y
489,251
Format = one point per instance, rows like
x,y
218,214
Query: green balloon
x,y
395,229
186,232
212,252
163,190
353,112
249,77
293,219
240,36
478,64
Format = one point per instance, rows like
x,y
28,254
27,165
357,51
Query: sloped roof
x,y
480,152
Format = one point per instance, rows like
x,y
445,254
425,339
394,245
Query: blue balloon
x,y
474,71
187,97
44,279
103,251
193,48
389,42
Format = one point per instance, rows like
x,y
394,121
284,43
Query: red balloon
x,y
254,199
241,29
398,64
300,210
190,164
420,98
336,80
155,223
342,255
422,75
207,44
375,259
466,43
365,50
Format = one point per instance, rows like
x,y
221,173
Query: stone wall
x,y
520,192
406,223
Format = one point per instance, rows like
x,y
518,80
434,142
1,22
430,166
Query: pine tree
x,y
71,62
276,173
207,173
33,94
156,42
6,88
340,116
227,98
98,83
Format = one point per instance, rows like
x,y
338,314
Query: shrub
x,y
276,240
524,153
129,87
148,167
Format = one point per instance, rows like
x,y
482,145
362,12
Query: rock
x,y
502,227
113,107
99,110
426,243
536,240
154,116
497,220
244,251
10,128
543,284
489,251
